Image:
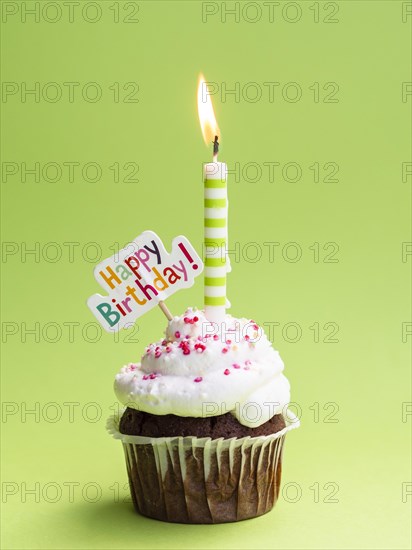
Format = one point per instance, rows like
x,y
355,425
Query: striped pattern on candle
x,y
215,241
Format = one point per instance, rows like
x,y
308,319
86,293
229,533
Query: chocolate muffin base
x,y
134,422
201,470
191,480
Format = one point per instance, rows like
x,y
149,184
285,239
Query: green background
x,y
350,392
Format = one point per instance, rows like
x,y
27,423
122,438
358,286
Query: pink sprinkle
x,y
227,371
228,342
148,350
152,376
215,337
177,334
187,336
191,321
225,350
198,379
184,346
236,366
246,368
248,362
256,327
247,337
168,349
200,348
158,353
145,377
164,343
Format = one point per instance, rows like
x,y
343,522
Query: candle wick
x,y
215,148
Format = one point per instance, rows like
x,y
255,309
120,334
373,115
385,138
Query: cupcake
x,y
204,422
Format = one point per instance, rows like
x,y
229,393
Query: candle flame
x,y
207,118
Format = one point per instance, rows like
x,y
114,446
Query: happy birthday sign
x,y
141,275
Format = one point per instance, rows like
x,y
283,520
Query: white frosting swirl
x,y
204,369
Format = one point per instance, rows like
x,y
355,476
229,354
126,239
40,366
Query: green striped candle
x,y
216,261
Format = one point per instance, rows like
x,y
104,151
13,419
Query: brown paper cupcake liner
x,y
203,480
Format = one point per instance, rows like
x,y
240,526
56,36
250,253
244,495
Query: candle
x,y
216,210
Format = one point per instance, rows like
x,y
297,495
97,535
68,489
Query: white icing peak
x,y
205,369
